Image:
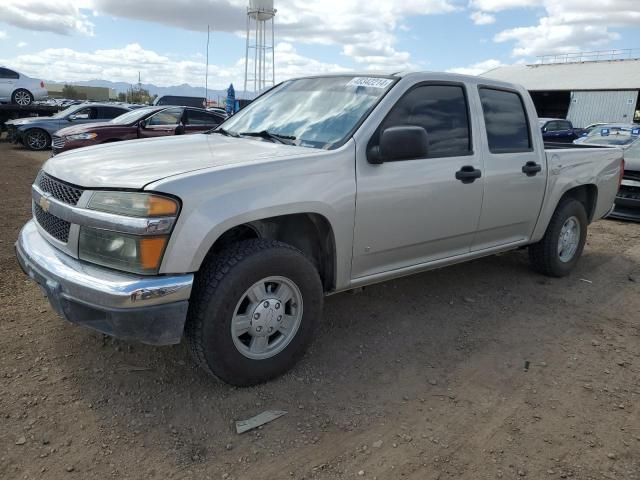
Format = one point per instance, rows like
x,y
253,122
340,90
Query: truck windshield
x,y
310,112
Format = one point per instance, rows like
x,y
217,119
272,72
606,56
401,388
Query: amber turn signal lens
x,y
161,206
151,250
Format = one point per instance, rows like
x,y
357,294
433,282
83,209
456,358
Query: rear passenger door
x,y
163,123
514,174
410,212
200,121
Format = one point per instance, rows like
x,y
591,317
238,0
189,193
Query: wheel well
x,y
587,195
311,233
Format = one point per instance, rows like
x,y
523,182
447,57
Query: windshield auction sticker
x,y
371,82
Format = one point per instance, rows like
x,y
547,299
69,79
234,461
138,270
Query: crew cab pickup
x,y
231,239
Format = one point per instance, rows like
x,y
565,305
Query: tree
x,y
70,92
122,97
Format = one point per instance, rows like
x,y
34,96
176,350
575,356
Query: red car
x,y
144,122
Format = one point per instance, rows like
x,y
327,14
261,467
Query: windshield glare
x,y
614,138
132,116
318,112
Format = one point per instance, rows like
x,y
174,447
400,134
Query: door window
x,y
10,74
552,127
442,111
87,113
170,116
564,125
195,117
506,121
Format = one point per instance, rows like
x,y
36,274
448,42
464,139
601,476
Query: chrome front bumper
x,y
149,309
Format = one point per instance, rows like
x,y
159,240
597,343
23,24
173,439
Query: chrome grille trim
x,y
57,142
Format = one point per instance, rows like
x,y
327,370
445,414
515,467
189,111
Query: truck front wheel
x,y
253,311
560,248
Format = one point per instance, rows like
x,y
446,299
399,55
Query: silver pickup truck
x,y
323,184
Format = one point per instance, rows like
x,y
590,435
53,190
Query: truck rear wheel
x,y
253,311
560,248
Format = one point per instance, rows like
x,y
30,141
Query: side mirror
x,y
71,118
142,124
406,142
544,130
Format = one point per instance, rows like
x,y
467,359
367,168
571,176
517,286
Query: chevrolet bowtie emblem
x,y
44,203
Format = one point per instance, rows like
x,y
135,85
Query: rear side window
x,y
564,125
506,121
6,73
195,117
442,111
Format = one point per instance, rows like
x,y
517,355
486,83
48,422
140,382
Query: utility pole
x,y
206,74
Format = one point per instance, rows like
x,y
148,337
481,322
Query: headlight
x,y
133,204
140,254
81,136
131,253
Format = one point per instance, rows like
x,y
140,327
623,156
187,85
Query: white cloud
x,y
567,26
481,18
3,34
477,68
63,16
123,65
21,44
355,25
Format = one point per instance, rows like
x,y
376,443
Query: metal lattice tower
x,y
259,62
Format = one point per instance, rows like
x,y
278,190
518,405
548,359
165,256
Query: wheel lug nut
x,y
258,329
270,329
277,306
256,316
279,317
265,304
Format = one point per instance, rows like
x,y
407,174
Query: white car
x,y
20,89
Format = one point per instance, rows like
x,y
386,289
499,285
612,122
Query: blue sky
x,y
67,40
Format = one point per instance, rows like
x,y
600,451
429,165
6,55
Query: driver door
x,y
162,124
416,211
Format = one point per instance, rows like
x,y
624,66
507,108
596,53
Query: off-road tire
x,y
218,287
543,256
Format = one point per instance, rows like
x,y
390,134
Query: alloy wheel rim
x,y
22,98
37,140
569,239
267,317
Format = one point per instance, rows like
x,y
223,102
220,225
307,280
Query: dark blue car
x,y
558,130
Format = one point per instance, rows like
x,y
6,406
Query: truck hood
x,y
136,163
85,127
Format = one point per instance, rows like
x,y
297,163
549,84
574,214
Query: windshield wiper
x,y
274,137
224,132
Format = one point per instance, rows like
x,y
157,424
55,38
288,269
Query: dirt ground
x,y
482,370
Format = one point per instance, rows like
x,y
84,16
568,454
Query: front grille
x,y
54,226
59,190
57,142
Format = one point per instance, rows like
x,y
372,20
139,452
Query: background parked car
x,y
558,130
141,123
627,137
35,132
178,100
20,89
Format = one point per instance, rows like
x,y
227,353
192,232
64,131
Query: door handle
x,y
531,169
468,174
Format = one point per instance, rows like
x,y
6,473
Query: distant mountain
x,y
184,89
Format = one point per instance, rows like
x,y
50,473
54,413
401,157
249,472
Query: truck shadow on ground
x,y
397,340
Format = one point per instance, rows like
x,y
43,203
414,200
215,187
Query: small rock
x,y
634,278
21,440
522,473
433,382
611,456
225,476
469,300
595,343
229,446
361,473
377,444
550,472
70,468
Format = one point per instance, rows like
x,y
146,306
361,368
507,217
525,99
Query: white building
x,y
583,88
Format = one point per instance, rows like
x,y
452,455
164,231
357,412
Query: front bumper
x,y
150,309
